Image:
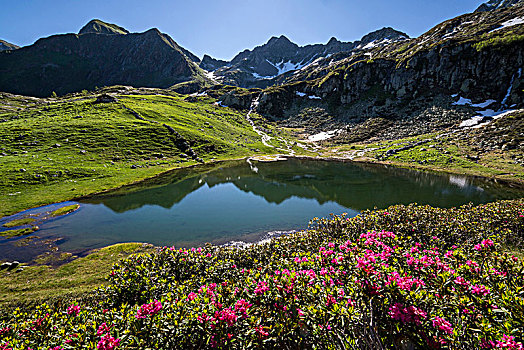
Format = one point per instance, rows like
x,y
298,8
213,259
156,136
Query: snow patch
x,y
501,114
258,76
471,122
210,75
512,22
311,97
462,101
484,104
508,93
284,67
324,135
479,121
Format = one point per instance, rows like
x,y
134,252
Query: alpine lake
x,y
238,201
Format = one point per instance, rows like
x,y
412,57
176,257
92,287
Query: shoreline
x,y
513,183
266,236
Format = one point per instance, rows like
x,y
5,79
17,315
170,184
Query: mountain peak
x,y
498,4
384,33
281,40
97,26
332,41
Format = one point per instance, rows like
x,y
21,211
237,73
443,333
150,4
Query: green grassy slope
x,y
71,148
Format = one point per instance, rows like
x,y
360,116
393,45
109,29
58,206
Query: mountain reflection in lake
x,y
243,201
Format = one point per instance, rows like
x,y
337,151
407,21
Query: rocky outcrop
x,y
70,62
210,64
106,98
497,4
5,46
474,56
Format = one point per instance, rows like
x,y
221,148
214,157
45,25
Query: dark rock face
x,y
5,46
70,62
279,58
473,56
497,4
210,64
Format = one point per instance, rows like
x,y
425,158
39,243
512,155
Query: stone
x,y
106,98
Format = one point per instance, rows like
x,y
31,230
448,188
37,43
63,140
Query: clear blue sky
x,y
222,28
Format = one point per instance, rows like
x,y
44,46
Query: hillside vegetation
x,y
61,149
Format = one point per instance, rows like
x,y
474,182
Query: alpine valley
x,y
111,122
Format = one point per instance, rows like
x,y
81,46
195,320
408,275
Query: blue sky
x,y
222,28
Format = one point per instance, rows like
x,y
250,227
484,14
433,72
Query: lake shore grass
x,y
82,275
19,222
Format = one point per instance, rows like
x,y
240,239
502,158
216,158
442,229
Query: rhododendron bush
x,y
383,279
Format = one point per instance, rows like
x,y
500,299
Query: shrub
x,y
440,278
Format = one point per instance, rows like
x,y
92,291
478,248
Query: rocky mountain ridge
x,y
466,71
100,27
100,55
268,63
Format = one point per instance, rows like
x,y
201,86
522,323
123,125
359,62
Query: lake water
x,y
242,201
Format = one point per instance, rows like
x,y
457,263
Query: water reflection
x,y
356,186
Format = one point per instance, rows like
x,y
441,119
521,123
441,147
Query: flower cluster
x,y
407,314
149,309
73,310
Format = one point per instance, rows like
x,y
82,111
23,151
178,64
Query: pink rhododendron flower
x,y
487,243
226,315
443,325
261,332
103,329
407,314
508,342
149,309
262,287
107,342
479,289
73,310
460,280
242,306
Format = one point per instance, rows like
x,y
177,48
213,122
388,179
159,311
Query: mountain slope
x,y
69,147
259,67
470,65
4,46
73,62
